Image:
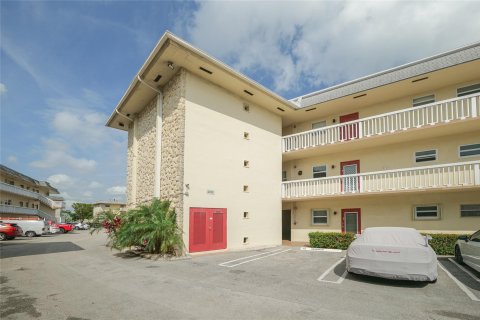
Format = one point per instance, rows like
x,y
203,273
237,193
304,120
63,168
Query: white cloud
x,y
298,45
94,185
60,180
3,89
117,190
53,158
12,159
88,194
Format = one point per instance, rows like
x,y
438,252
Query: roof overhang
x,y
170,55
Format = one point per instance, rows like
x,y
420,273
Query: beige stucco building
x,y
245,167
22,197
108,205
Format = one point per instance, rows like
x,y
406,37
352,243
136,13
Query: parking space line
x,y
263,255
459,284
255,255
330,270
465,270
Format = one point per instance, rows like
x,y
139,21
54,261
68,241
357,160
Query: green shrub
x,y
443,244
330,240
152,227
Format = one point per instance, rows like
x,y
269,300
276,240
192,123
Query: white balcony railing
x,y
27,211
397,121
5,187
453,175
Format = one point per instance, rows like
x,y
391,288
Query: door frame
x,y
209,245
358,211
284,212
346,163
346,118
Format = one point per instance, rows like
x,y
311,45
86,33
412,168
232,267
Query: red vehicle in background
x,y
63,227
9,231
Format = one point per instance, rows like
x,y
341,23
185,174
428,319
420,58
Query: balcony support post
x,y
476,170
473,105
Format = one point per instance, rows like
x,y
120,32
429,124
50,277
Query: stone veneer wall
x,y
173,142
130,158
146,139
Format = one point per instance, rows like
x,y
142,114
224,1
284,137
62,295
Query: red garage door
x,y
208,229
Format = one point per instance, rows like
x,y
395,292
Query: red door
x,y
349,131
208,229
350,184
351,220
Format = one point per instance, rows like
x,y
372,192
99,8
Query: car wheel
x,y
458,254
3,237
30,234
62,230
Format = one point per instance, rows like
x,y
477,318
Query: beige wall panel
x,y
215,150
394,210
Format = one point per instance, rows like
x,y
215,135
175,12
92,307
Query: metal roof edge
x,y
384,72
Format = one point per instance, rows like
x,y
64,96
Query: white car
x,y
467,250
53,229
392,253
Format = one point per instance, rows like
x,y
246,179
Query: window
x,y
465,91
426,212
9,202
319,216
245,215
420,101
318,125
246,135
12,183
320,171
245,188
470,210
427,155
21,203
468,150
246,163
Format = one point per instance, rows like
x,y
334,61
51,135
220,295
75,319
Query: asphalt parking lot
x,y
74,276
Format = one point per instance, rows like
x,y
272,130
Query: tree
x,y
67,216
83,211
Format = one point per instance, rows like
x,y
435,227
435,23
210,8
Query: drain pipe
x,y
154,89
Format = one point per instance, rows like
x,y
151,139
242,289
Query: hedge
x,y
330,240
442,244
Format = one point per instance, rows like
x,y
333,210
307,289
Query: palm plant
x,y
152,226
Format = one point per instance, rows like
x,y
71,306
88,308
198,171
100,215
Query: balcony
x,y
397,123
4,187
440,177
26,211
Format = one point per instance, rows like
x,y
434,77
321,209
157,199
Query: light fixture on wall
x,y
334,213
170,65
333,166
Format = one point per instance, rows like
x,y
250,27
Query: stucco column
x,y
158,145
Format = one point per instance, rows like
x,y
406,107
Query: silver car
x,y
467,250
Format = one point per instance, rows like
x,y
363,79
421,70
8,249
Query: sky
x,y
64,65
